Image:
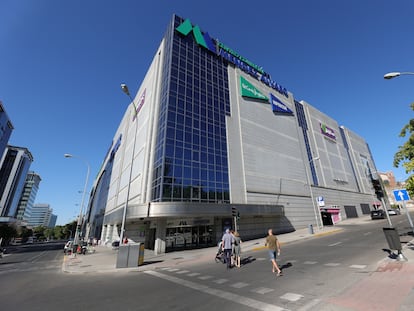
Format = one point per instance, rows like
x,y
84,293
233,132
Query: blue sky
x,y
62,62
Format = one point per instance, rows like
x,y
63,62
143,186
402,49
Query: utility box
x,y
393,238
131,255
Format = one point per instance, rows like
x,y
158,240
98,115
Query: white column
x,y
159,247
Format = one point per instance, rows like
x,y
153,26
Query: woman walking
x,y
237,249
273,246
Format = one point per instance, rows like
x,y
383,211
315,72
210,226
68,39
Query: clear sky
x,y
62,62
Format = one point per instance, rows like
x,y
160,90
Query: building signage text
x,y
327,131
230,55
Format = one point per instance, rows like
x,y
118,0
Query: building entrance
x,y
189,237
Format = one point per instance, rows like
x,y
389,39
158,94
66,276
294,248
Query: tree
x,y
7,233
405,153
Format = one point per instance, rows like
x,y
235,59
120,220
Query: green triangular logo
x,y
249,90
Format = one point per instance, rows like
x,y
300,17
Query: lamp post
x,y
125,89
391,75
318,223
79,223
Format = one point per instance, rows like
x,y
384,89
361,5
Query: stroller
x,y
220,254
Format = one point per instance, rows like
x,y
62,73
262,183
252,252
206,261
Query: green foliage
x,y
405,153
7,232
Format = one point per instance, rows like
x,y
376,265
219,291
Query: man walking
x,y
273,246
227,243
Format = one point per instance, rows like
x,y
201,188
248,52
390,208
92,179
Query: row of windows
x,y
191,155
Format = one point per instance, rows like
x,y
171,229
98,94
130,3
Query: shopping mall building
x,y
210,134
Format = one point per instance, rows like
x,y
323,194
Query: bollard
x,y
310,227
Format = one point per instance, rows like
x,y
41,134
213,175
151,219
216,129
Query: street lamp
x,y
391,75
125,89
79,223
318,223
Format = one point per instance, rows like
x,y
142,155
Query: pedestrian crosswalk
x,y
210,284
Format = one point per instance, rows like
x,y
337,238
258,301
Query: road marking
x,y
262,290
291,261
310,262
182,271
292,297
310,305
194,274
239,285
165,268
249,302
335,244
367,233
173,269
206,277
260,259
332,264
35,258
358,266
221,281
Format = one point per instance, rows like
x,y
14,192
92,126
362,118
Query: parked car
x,y
68,248
378,214
394,211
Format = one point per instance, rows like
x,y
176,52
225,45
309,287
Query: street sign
x,y
401,195
321,201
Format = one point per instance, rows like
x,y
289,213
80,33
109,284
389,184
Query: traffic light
x,y
238,215
376,183
234,211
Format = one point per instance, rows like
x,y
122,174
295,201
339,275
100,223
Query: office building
x,y
40,216
6,128
52,221
211,139
14,166
28,196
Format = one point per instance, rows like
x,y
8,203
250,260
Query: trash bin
x,y
393,238
310,229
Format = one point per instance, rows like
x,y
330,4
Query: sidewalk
x,y
104,259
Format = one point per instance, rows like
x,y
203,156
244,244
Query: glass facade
x,y
303,124
191,162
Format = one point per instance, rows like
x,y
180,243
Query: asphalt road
x,y
314,270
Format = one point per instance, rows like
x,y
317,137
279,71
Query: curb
x,y
316,235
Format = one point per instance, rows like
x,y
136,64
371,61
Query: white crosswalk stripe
x,y
205,277
262,290
358,266
332,264
194,274
182,271
239,285
310,262
245,301
292,297
221,281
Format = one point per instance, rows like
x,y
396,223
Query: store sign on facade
x,y
218,48
249,90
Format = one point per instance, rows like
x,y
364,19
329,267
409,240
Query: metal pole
x,y
408,216
235,224
79,223
135,119
386,212
320,225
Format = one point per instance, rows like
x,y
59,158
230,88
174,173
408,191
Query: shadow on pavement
x,y
286,266
150,262
247,260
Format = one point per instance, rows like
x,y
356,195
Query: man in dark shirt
x,y
227,243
